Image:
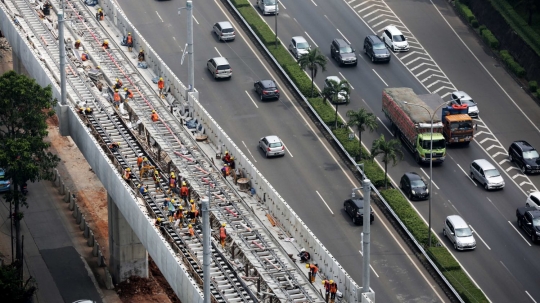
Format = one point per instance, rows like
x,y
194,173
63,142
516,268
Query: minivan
x,y
219,67
393,37
485,173
459,233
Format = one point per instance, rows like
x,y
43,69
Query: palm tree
x,y
312,61
391,151
362,120
337,93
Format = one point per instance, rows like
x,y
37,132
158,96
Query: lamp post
x,y
430,159
191,60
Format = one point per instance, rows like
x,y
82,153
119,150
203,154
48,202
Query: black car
x,y
414,186
525,156
267,89
343,52
528,218
376,49
355,209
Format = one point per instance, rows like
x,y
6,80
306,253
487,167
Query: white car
x,y
299,46
272,146
341,95
268,7
533,200
393,37
459,233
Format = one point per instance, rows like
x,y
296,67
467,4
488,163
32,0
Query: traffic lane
x,y
467,73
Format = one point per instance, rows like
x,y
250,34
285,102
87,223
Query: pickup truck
x,y
528,218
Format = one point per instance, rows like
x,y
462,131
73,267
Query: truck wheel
x,y
510,158
417,158
519,222
533,237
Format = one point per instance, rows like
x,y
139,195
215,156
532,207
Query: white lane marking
x,y
493,78
311,39
218,51
251,99
286,149
379,77
385,126
429,178
324,202
528,294
480,237
314,3
466,174
249,151
519,233
345,79
159,16
281,3
369,264
348,41
196,20
495,207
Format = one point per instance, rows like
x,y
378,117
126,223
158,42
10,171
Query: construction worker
x,y
333,291
116,98
226,158
172,185
222,235
232,165
326,285
171,211
88,111
100,15
84,56
191,231
77,44
105,44
118,84
184,192
313,269
129,42
145,162
226,170
143,190
127,174
157,222
154,116
304,256
194,212
139,161
114,146
161,86
81,109
129,94
180,214
157,181
141,55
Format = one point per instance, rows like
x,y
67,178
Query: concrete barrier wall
x,y
162,253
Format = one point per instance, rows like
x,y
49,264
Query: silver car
x,y
224,31
219,67
462,98
459,233
485,173
268,7
299,46
272,146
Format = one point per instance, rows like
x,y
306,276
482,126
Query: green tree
x,y
312,61
391,151
338,94
12,287
362,120
24,109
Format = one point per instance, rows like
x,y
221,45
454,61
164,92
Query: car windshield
x,y
463,232
464,125
345,50
223,67
468,102
399,38
270,2
437,144
532,154
379,46
275,144
418,183
302,45
227,30
536,221
490,173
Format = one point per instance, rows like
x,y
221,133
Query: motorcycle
x,y
24,189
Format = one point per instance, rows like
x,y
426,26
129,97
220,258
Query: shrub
x,y
481,28
326,113
533,86
373,171
474,23
509,61
464,286
465,11
299,78
442,257
351,146
240,3
490,39
257,24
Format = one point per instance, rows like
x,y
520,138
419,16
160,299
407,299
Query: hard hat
x,y
191,201
140,155
226,152
160,78
226,164
117,80
88,109
223,224
142,50
138,186
116,90
159,219
331,281
172,174
232,158
183,183
173,200
307,265
189,225
79,40
153,111
125,89
324,282
129,33
180,207
303,250
128,169
118,143
106,41
98,67
156,172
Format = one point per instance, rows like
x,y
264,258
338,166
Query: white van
x,y
393,37
459,233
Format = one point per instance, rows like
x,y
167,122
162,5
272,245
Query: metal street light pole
x,y
430,160
62,46
191,60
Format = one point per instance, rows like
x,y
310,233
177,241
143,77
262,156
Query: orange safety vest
x,y
129,39
154,117
222,233
84,57
193,207
130,94
313,269
333,288
327,285
180,214
127,174
184,191
139,161
116,97
191,231
161,84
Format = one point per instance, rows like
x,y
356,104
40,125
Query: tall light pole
x,y
430,159
191,60
275,14
62,46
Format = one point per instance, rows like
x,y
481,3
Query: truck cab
x,y
458,124
423,147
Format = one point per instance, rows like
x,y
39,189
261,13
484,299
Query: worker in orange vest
x,y
326,285
129,42
127,174
191,231
333,291
139,161
129,94
77,44
100,15
222,235
180,214
118,84
184,193
116,98
114,146
154,116
161,86
313,269
105,44
84,56
194,211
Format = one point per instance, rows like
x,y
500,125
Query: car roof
x,y
225,24
457,221
341,42
335,78
393,30
484,164
413,176
358,202
462,95
220,60
374,39
268,83
299,39
524,145
272,139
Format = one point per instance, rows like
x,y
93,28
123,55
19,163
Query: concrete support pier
x,y
128,257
